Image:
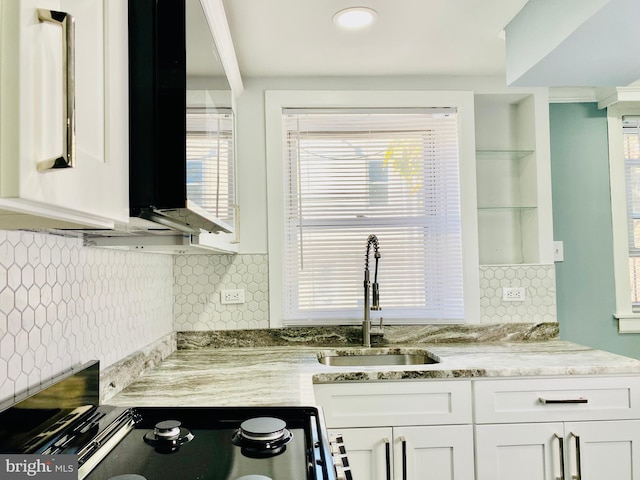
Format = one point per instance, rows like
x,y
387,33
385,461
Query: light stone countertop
x,y
284,375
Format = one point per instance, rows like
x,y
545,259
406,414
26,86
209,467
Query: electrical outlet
x,y
232,296
513,294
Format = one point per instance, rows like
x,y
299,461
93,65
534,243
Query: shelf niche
x,y
506,174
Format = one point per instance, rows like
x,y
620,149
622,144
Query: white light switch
x,y
558,251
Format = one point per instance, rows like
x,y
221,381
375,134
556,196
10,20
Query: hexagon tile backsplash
x,y
62,304
539,284
199,280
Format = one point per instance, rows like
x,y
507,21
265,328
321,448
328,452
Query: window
x,y
210,175
344,165
624,164
350,174
631,145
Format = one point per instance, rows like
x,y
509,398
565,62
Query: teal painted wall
x,y
582,220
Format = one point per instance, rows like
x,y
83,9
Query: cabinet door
x,y
34,128
528,451
604,450
433,452
369,452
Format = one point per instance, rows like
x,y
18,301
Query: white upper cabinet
x,y
56,102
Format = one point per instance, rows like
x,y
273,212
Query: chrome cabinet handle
x,y
563,400
578,470
404,458
560,455
387,447
67,158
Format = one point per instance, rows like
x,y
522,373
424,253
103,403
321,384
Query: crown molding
x,y
572,95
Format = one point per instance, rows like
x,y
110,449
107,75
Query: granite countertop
x,y
285,374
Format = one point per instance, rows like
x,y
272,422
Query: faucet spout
x,y
375,305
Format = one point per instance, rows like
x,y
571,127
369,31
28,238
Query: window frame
x,y
628,320
278,100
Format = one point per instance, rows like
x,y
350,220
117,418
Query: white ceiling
x,y
410,37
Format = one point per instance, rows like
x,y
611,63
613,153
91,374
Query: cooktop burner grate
x,y
168,436
262,437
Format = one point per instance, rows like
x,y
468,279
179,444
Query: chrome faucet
x,y
375,301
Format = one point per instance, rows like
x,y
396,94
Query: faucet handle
x,y
378,331
375,302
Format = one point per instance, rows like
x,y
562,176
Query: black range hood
x,y
157,119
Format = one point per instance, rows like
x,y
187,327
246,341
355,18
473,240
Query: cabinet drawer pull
x,y
67,158
578,469
548,401
560,455
404,458
387,451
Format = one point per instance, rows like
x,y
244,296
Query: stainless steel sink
x,y
375,357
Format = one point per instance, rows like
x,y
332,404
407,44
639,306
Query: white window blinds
x,y
631,137
210,173
392,173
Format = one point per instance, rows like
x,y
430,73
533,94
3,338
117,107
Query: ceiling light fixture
x,y
355,17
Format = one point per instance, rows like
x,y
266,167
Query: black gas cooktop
x,y
209,443
186,443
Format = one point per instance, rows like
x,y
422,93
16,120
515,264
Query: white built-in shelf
x,y
506,208
507,179
483,155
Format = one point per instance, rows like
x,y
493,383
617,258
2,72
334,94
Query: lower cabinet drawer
x,y
556,399
361,404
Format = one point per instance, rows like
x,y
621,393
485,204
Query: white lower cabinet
x,y
535,428
551,451
441,452
403,453
403,430
578,428
368,451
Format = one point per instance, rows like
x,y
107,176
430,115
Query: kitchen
x,y
64,303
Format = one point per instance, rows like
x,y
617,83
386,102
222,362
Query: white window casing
x,y
628,316
442,290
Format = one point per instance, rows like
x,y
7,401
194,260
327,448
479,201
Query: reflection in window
x,y
210,160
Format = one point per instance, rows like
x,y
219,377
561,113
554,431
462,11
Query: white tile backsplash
x,y
539,283
62,304
199,280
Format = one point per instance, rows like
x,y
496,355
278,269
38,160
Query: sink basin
x,y
375,357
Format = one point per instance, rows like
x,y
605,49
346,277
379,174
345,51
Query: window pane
x,y
633,188
636,236
634,276
631,138
355,174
